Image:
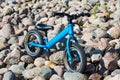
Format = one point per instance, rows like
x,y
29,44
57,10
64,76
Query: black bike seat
x,y
43,27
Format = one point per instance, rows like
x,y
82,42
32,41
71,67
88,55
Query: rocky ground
x,y
99,35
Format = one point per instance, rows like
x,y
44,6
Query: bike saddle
x,y
44,27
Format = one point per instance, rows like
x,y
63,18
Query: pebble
x,y
7,19
12,40
114,32
116,77
27,59
55,77
27,21
100,33
95,76
17,69
6,31
31,73
57,57
50,64
13,57
9,75
7,10
44,71
118,62
74,76
3,70
59,70
38,78
39,62
115,72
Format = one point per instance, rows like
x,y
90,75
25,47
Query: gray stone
x,y
100,33
38,5
31,73
27,59
6,31
93,2
88,49
3,70
2,39
45,72
17,69
116,77
2,56
38,78
9,75
13,46
57,57
115,72
43,19
6,19
7,10
11,1
59,70
30,66
39,62
13,57
27,21
12,40
114,32
74,76
55,77
95,76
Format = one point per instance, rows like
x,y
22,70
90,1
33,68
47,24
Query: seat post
x,y
45,33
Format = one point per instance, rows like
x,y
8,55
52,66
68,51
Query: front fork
x,y
68,45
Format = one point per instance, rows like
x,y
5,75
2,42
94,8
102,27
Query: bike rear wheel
x,y
78,62
33,36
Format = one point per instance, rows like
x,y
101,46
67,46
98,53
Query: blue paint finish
x,y
37,45
57,38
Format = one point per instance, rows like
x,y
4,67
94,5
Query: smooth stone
x,y
13,57
39,62
57,57
74,76
3,70
17,69
27,59
9,75
6,31
55,77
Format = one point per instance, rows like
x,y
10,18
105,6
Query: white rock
x,y
13,57
39,62
55,77
6,31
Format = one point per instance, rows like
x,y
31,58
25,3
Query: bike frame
x,y
67,31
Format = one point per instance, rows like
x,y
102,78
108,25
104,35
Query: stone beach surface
x,y
98,34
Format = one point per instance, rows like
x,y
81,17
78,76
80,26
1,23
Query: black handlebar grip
x,y
87,14
53,14
58,14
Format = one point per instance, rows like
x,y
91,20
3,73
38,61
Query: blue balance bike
x,y
74,57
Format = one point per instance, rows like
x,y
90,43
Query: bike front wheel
x,y
78,62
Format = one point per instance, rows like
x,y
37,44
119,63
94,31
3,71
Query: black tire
x,y
35,36
78,54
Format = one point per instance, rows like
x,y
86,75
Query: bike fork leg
x,y
68,50
68,45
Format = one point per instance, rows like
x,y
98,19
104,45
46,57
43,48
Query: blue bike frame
x,y
48,44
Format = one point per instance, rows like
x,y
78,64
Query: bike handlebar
x,y
73,16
